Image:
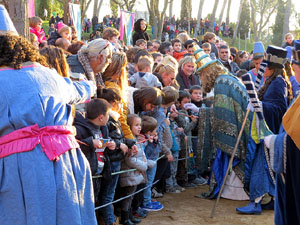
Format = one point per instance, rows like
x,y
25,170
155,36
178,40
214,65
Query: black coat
x,y
138,33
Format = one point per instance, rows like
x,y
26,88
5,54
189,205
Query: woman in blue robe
x,y
274,96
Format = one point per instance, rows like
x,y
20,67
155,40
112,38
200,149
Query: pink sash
x,y
55,140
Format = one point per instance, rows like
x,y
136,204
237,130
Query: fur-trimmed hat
x,y
275,56
296,52
6,24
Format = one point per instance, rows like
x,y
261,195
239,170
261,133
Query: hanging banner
x,y
126,26
75,15
31,8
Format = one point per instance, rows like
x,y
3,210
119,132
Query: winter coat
x,y
123,116
186,124
84,133
138,162
39,34
53,37
138,33
231,66
116,133
192,80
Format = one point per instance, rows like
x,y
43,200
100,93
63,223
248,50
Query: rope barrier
x,y
130,170
127,196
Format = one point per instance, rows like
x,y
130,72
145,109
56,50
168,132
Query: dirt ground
x,y
185,209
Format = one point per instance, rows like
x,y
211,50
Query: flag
x,y
126,26
31,8
75,15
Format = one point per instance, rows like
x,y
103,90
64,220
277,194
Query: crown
x,y
202,59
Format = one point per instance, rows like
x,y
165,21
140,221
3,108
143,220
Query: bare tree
x,y
18,11
171,9
265,9
237,22
97,7
201,3
213,16
286,21
125,4
84,5
157,16
228,12
222,11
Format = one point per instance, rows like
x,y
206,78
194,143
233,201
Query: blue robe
x,y
258,172
230,106
33,189
285,161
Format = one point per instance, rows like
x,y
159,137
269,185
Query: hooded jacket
x,y
138,33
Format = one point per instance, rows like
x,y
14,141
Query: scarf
x,y
186,79
84,61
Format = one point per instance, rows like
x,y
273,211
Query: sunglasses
x,y
107,43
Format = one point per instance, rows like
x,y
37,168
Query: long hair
x,y
116,72
276,73
56,59
16,50
210,74
144,96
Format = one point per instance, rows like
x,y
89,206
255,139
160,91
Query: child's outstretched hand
x,y
167,122
111,145
194,118
180,129
134,150
124,148
170,158
97,143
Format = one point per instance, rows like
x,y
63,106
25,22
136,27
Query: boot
x,y
125,218
251,208
132,218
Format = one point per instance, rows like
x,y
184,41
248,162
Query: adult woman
x,y
274,96
115,76
140,27
186,77
42,180
165,71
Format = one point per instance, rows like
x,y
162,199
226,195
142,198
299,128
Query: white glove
x,y
267,140
250,107
191,106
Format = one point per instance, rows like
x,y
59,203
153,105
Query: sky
x,y
207,8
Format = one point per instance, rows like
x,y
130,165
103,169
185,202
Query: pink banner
x,y
31,9
121,26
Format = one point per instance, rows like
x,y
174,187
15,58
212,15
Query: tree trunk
x,y
199,17
99,7
171,9
228,12
286,19
237,22
253,18
66,11
222,12
84,5
213,16
95,8
18,12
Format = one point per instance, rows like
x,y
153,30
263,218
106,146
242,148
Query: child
x,y
144,76
51,29
89,130
108,187
149,125
183,121
188,46
141,43
158,57
35,24
196,95
177,135
178,52
63,31
206,48
130,180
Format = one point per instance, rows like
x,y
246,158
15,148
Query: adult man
x,y
92,60
166,48
224,56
